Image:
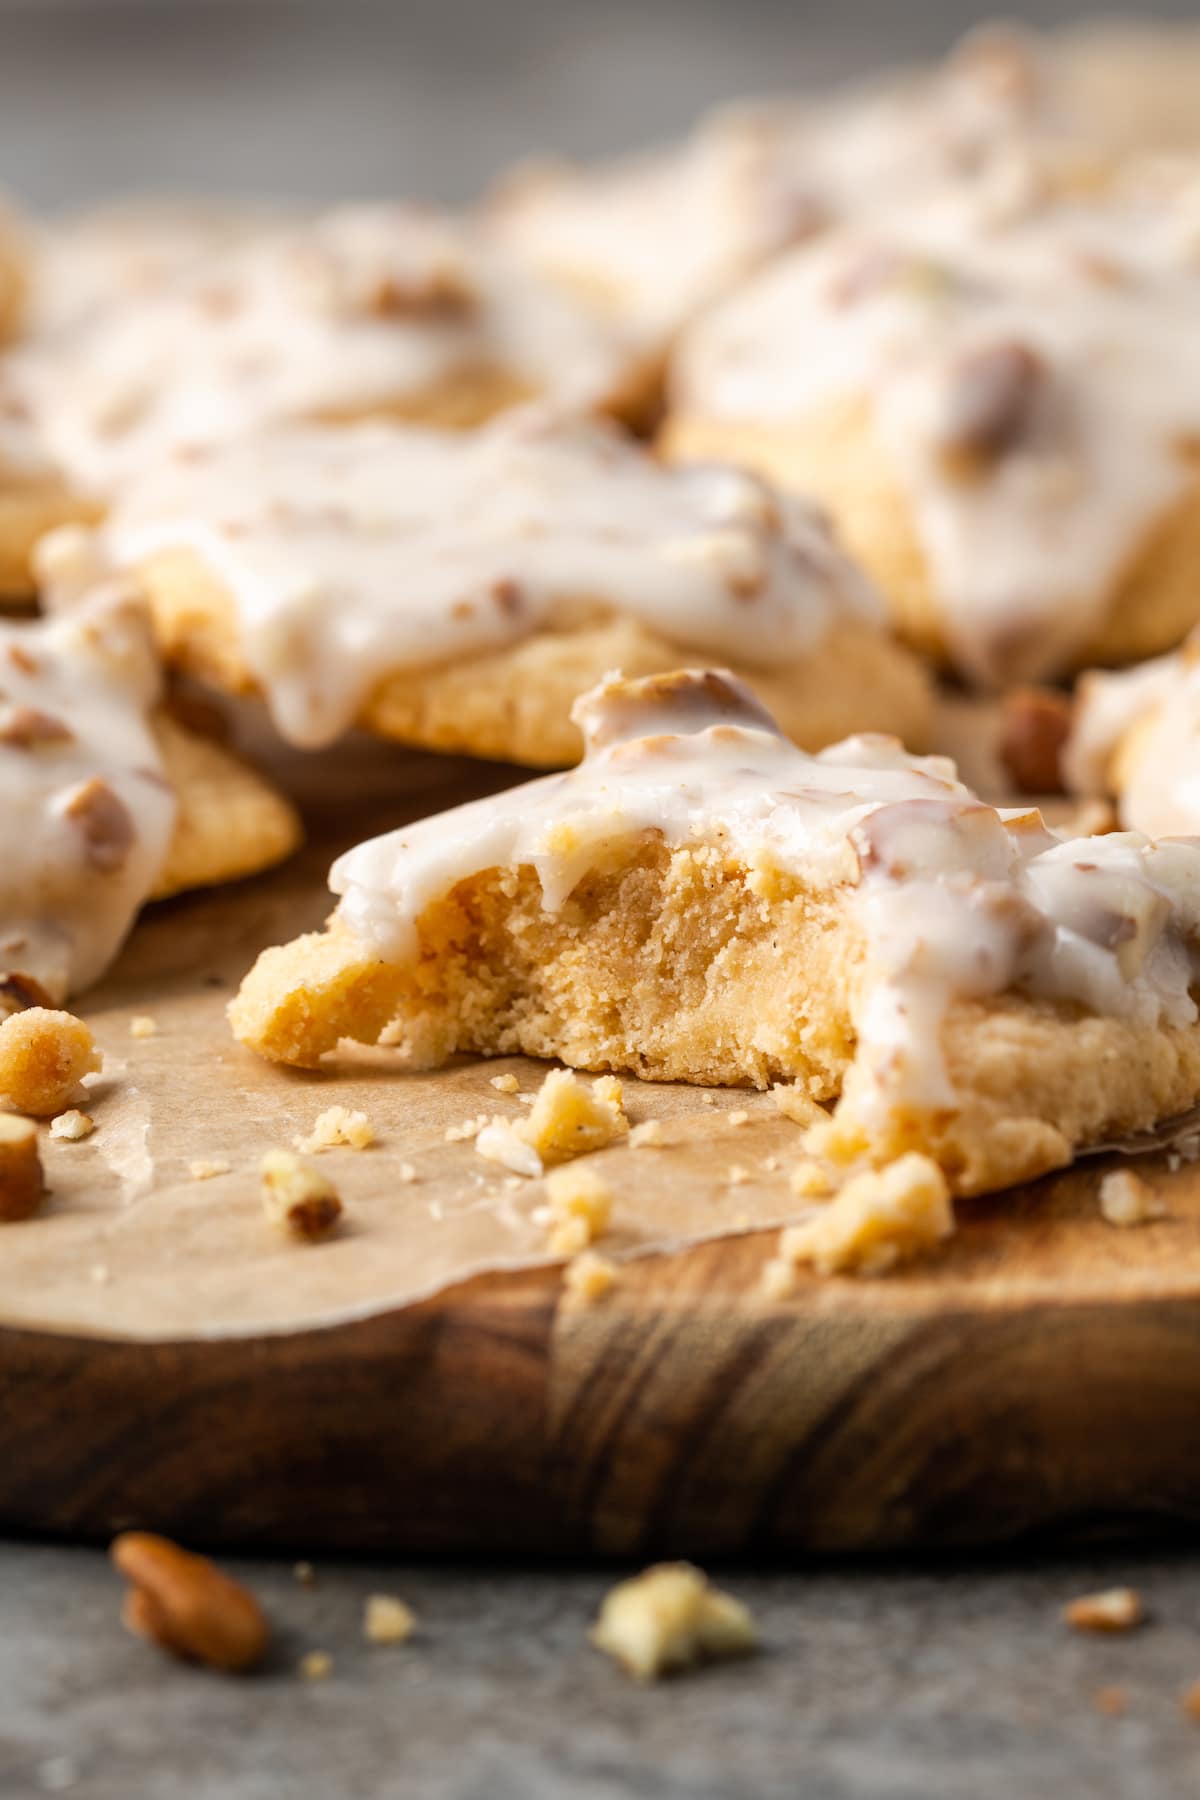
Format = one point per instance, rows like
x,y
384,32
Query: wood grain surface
x,y
1041,1374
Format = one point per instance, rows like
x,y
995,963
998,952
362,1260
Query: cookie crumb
x,y
304,1574
881,1217
406,1173
1112,1702
589,1276
315,1665
1125,1199
738,1117
99,1273
647,1136
72,1125
467,1129
337,1127
809,1181
797,1104
297,1196
44,1055
505,1084
570,1119
143,1026
771,1165
708,1098
387,1620
778,1279
580,1207
22,1185
669,1618
737,1175
203,1168
499,1142
1111,1610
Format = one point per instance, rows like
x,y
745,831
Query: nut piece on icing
x,y
186,1605
298,1196
21,1182
43,1057
669,1618
617,711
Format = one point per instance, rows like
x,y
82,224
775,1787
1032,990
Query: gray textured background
x,y
926,1684
423,95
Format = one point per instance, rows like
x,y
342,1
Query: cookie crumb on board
x,y
568,1118
315,1665
590,1277
22,1184
206,1168
143,1026
1125,1199
1111,1610
669,1618
44,1055
579,1202
388,1620
879,1218
185,1604
297,1196
338,1128
72,1125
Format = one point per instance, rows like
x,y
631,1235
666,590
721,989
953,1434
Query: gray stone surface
x,y
901,1683
908,1685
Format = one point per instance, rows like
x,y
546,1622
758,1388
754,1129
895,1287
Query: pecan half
x,y
1034,726
105,821
990,404
185,1604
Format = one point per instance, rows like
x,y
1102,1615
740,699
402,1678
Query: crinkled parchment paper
x,y
130,1244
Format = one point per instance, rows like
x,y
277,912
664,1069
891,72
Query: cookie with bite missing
x,y
460,592
701,901
999,404
107,799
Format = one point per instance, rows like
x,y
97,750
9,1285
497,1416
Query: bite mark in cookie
x,y
709,904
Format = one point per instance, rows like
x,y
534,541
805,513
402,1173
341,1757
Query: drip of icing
x,y
1034,377
86,814
956,899
1158,785
354,552
357,311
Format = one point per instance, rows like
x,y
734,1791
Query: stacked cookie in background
x,y
871,401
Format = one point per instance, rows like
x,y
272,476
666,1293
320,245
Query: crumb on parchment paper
x,y
337,1128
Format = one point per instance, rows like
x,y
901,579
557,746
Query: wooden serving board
x,y
421,1384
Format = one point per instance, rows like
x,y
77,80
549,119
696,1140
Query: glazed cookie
x,y
459,591
107,803
1135,737
999,404
700,901
652,239
370,311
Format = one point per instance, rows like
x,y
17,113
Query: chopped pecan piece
x,y
1034,726
185,1604
26,727
990,404
107,825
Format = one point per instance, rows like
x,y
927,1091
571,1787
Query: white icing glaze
x,y
357,551
956,899
357,311
119,254
1095,302
657,235
86,814
1159,785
